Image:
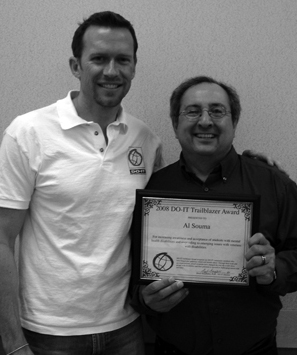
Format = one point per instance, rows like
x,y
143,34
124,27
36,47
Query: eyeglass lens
x,y
213,111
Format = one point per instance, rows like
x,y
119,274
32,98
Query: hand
x,y
163,295
259,246
265,158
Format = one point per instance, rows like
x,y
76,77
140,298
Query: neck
x,y
96,113
201,166
201,170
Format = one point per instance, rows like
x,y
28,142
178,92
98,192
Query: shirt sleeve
x,y
286,243
17,179
159,161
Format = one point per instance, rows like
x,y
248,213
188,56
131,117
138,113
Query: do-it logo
x,y
135,161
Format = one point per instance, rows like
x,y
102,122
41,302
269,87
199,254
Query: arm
x,y
283,236
11,222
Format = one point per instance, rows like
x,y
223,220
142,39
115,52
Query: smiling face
x,y
106,67
207,137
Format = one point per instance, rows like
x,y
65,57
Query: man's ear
x,y
133,74
75,66
174,125
235,125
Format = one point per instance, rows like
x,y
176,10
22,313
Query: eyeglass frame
x,y
193,119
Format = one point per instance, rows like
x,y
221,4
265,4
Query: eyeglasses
x,y
194,113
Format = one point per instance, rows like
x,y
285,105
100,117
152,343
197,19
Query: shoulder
x,y
168,169
163,174
264,172
135,125
32,120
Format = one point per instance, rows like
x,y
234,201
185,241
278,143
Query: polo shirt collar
x,y
68,117
224,168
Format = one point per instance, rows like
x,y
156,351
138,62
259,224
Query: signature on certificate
x,y
214,272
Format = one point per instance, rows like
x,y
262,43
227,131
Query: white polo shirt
x,y
75,243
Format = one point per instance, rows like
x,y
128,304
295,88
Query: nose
x,y
205,119
111,69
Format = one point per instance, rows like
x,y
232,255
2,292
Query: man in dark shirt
x,y
219,320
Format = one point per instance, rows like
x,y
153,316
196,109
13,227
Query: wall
x,y
249,44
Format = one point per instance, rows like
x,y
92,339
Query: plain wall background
x,y
250,44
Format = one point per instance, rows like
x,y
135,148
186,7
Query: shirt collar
x,y
68,117
223,169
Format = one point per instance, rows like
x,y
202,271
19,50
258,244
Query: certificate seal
x,y
163,262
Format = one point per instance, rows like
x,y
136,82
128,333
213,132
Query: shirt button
x,y
206,189
101,150
96,133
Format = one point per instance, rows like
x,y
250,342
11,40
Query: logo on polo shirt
x,y
135,161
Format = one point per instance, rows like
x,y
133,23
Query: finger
x,y
264,274
262,265
168,303
171,289
278,164
263,260
258,238
263,157
268,160
265,280
257,262
175,298
262,277
259,246
258,250
179,296
163,288
163,302
158,285
258,155
248,152
280,167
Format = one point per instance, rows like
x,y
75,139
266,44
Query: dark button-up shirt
x,y
232,320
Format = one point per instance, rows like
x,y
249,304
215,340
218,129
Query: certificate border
x,y
137,227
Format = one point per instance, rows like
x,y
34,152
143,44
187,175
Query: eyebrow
x,y
106,54
211,104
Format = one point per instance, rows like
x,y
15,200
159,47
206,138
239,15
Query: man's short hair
x,y
178,93
101,19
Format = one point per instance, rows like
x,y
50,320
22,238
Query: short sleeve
x,y
17,178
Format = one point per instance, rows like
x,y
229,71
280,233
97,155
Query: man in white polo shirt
x,y
67,184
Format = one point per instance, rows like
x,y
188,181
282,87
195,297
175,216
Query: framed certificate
x,y
196,239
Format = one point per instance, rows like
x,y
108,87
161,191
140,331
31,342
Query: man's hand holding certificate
x,y
164,294
261,259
